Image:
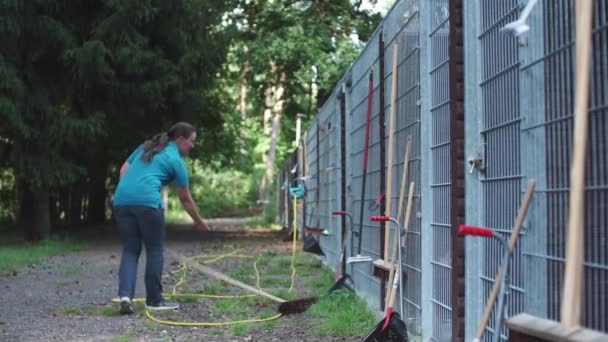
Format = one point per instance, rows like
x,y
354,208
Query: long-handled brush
x,y
392,327
503,285
370,92
285,307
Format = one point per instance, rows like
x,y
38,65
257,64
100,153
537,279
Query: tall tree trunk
x,y
34,215
270,89
242,105
276,127
268,108
76,199
97,193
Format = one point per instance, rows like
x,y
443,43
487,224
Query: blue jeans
x,y
137,224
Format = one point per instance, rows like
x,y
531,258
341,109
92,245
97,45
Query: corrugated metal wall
x,y
518,102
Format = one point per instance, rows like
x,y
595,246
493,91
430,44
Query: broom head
x,y
297,305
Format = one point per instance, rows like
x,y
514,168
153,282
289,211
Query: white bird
x,y
519,26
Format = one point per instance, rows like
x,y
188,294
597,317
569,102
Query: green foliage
x,y
216,191
342,313
295,36
82,84
7,197
16,257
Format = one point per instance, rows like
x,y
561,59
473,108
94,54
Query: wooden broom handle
x,y
521,215
393,292
396,239
391,134
215,274
571,303
406,159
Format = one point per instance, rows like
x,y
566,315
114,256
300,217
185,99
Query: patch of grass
x,y
214,288
108,310
267,313
232,305
239,329
185,298
185,288
300,260
322,282
244,274
342,314
263,261
216,332
269,254
267,282
125,338
283,294
150,325
275,270
19,255
282,261
308,270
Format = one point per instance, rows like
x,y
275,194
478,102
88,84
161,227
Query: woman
x,y
139,212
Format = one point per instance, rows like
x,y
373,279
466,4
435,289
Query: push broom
x,y
392,327
364,258
285,307
512,241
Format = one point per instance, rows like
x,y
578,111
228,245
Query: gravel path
x,y
49,302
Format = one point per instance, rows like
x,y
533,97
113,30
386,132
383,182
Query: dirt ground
x,y
67,298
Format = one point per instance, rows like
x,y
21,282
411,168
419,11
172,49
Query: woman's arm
x,y
188,204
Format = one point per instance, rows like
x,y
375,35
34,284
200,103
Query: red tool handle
x,y
476,231
380,218
339,212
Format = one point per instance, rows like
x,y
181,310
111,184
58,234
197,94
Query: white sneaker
x,y
126,306
163,305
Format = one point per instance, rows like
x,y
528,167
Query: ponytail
x,y
160,141
154,145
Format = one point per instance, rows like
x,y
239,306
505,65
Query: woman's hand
x,y
204,226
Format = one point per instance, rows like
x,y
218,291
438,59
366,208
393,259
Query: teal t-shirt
x,y
143,181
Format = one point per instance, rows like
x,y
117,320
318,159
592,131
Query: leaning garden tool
x,y
502,290
368,120
381,266
343,279
285,307
311,244
514,235
391,147
391,328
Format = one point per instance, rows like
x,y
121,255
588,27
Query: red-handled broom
x,y
391,328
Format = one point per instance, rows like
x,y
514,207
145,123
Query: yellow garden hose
x,y
213,258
